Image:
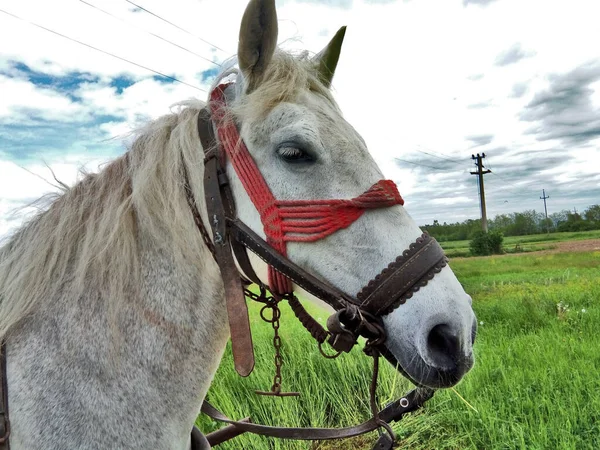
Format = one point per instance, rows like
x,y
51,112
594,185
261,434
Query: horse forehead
x,y
310,115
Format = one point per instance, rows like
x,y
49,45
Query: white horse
x,y
112,308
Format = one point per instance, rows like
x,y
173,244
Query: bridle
x,y
300,221
229,240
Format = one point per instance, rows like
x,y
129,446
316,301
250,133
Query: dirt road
x,y
587,245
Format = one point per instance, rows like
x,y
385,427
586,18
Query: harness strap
x,y
217,207
4,422
241,255
391,288
247,237
393,412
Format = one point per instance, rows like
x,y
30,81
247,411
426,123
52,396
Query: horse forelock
x,y
286,77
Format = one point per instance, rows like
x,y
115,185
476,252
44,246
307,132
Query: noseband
x,y
299,221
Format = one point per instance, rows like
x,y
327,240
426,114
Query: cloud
x,y
24,101
512,55
43,115
451,200
63,101
209,75
516,180
565,109
35,180
63,84
480,105
475,77
480,139
344,4
518,90
534,160
477,2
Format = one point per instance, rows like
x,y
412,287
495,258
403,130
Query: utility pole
x,y
544,197
480,172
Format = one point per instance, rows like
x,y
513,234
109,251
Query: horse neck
x,y
147,334
181,291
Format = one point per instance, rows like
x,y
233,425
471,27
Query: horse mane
x,y
285,77
87,239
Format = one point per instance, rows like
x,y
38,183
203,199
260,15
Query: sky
x,y
428,83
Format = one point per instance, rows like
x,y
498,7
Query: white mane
x,y
87,238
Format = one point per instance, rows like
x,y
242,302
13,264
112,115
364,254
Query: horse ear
x,y
328,58
257,42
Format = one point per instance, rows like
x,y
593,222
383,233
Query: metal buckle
x,y
6,426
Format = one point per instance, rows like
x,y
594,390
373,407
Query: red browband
x,y
291,220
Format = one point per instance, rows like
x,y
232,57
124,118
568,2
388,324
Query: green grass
x,y
535,384
529,243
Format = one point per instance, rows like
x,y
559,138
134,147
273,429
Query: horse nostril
x,y
443,346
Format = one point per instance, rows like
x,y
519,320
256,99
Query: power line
x,y
151,33
510,186
423,165
176,26
102,51
508,181
439,155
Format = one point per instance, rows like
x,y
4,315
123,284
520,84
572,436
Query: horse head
x,y
305,149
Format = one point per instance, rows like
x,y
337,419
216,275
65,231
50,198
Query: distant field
x,y
535,385
529,243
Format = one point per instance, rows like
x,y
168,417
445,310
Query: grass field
x,y
523,244
535,384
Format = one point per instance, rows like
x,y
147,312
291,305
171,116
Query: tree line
x,y
519,224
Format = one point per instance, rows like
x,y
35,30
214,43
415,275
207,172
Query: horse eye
x,y
294,155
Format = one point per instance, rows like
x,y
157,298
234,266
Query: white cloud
x,y
451,200
20,96
22,185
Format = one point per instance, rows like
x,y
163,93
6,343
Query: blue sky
x,y
427,83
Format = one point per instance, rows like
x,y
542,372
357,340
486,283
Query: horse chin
x,y
418,372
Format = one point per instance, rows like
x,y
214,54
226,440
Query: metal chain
x,y
272,303
277,346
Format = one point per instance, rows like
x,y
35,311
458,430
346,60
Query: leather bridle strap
x,y
218,208
248,238
393,412
4,422
391,288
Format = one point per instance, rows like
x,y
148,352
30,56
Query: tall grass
x,y
535,384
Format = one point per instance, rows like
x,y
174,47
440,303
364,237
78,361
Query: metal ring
x,y
276,313
404,402
339,352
